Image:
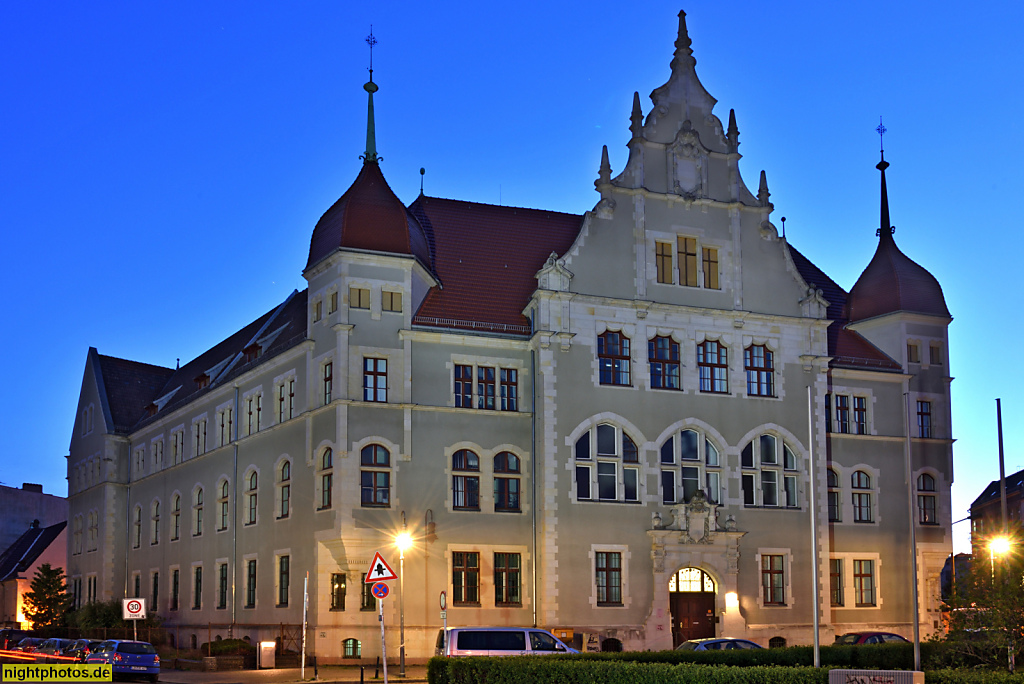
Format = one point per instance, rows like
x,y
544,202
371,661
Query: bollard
x,y
316,672
376,669
361,668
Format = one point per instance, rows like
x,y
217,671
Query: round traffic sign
x,y
134,607
444,600
380,590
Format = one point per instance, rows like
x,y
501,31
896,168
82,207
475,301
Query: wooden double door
x,y
693,615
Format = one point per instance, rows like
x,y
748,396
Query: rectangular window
x,y
861,507
338,591
613,359
391,301
485,387
773,580
828,413
748,490
860,415
466,492
376,488
843,414
714,488
509,389
367,601
608,577
864,582
833,506
507,579
197,588
935,354
710,268
138,586
924,419
759,363
835,581
926,509
769,488
607,486
631,484
175,589
222,585
154,594
790,485
687,248
582,483
663,357
913,353
332,302
668,487
465,578
375,380
226,422
463,386
663,260
506,493
328,381
713,367
326,487
283,571
690,481
250,583
318,309
199,430
359,298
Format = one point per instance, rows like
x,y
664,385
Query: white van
x,y
498,641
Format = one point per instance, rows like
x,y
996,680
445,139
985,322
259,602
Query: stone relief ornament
x,y
688,164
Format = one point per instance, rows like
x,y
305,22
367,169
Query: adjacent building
x,y
627,425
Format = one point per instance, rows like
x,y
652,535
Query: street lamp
x,y
403,541
997,546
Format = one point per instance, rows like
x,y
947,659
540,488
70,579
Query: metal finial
x,y
783,227
422,172
371,41
881,134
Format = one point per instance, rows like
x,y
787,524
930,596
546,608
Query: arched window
x,y
352,648
834,496
197,512
284,490
326,479
691,580
154,518
862,509
613,358
375,476
176,517
689,462
663,357
223,502
759,363
762,475
251,495
713,367
606,456
506,484
926,500
465,487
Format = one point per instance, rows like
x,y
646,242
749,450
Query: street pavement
x,y
324,675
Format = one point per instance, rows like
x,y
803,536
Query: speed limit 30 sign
x,y
134,609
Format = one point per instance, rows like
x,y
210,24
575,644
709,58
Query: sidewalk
x,y
326,674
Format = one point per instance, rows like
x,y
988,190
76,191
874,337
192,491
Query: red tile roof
x,y
486,257
369,216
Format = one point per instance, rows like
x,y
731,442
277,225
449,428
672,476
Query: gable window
x,y
608,577
613,358
252,352
338,591
465,578
759,362
326,479
710,259
773,580
691,459
359,298
713,367
924,419
222,502
687,248
375,476
463,386
617,461
202,381
864,582
175,517
506,579
284,490
663,356
834,505
835,581
862,510
485,387
197,512
506,485
328,382
465,488
375,380
251,498
391,301
926,500
663,261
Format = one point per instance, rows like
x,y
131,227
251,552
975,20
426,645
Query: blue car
x,y
132,658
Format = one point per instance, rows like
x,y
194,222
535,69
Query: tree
x,y
987,610
47,603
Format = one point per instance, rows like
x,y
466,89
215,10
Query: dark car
x,y
52,650
132,658
9,638
723,644
871,638
80,649
28,644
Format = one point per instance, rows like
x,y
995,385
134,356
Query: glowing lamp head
x,y
732,600
403,541
999,545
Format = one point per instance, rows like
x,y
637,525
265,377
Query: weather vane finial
x,y
371,41
881,134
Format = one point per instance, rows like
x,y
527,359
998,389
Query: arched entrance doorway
x,y
691,595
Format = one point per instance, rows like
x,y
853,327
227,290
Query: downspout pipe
x,y
533,478
234,516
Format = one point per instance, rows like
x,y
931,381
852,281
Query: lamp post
x,y
403,541
997,546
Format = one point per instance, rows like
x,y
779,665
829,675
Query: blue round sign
x,y
380,590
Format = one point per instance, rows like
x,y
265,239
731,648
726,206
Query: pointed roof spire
x,y
762,191
683,51
636,117
370,156
885,229
604,174
733,134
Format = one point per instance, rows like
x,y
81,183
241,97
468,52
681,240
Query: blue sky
x,y
162,165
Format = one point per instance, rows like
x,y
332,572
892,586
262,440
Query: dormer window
x,y
202,381
151,410
252,352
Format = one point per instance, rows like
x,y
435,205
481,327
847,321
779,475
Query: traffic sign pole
x,y
383,644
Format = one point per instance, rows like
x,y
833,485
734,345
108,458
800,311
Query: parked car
x,y
80,649
9,638
723,644
498,641
52,650
871,638
132,658
28,644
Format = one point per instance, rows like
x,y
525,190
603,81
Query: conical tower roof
x,y
893,281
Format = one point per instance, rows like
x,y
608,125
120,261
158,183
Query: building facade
x,y
627,425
